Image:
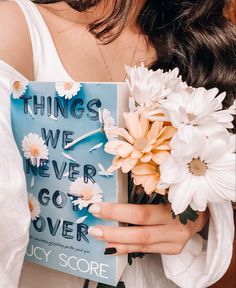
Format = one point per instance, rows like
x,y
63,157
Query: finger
x,y
143,235
133,214
161,248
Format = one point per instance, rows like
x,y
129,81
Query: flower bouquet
x,y
176,145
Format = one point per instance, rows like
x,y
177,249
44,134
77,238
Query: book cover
x,y
60,130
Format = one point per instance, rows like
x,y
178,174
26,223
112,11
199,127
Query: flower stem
x,y
82,138
151,198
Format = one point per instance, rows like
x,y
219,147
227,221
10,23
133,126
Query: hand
x,y
156,231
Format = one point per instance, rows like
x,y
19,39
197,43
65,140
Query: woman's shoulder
x,y
15,42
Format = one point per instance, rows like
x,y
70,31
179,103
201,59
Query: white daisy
x,y
148,87
87,193
19,89
67,89
34,206
107,121
200,108
200,170
34,148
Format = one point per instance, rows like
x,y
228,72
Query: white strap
x,y
34,24
47,63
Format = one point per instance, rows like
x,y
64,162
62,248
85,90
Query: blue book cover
x,y
60,130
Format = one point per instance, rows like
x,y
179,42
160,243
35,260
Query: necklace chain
x,y
108,71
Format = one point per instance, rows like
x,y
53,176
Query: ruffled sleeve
x,y
14,212
203,263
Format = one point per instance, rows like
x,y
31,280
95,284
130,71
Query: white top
x,y
198,266
47,64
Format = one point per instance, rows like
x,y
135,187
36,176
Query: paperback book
x,y
60,130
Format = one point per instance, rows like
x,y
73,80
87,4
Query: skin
x,y
156,231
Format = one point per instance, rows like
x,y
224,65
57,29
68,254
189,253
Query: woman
x,y
49,41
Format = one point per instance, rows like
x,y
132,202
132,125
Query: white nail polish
x,y
94,209
96,232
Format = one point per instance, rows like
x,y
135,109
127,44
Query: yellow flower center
x,y
86,195
35,151
191,116
31,207
140,143
68,85
16,85
197,167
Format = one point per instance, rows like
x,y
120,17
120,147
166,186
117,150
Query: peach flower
x,y
147,175
143,142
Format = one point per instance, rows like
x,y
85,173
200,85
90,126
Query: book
x,y
60,130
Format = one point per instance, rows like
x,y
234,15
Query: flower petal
x,y
225,163
116,164
154,131
215,148
164,146
136,124
150,183
124,150
232,143
144,169
136,154
160,191
165,134
201,193
160,157
172,172
222,186
147,157
121,132
181,194
118,147
128,164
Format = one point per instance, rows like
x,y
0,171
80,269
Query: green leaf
x,y
188,214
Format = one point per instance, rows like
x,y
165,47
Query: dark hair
x,y
193,35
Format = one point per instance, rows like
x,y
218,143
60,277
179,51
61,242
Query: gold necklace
x,y
108,71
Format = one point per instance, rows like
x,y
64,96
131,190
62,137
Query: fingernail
x,y
110,251
94,209
96,232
